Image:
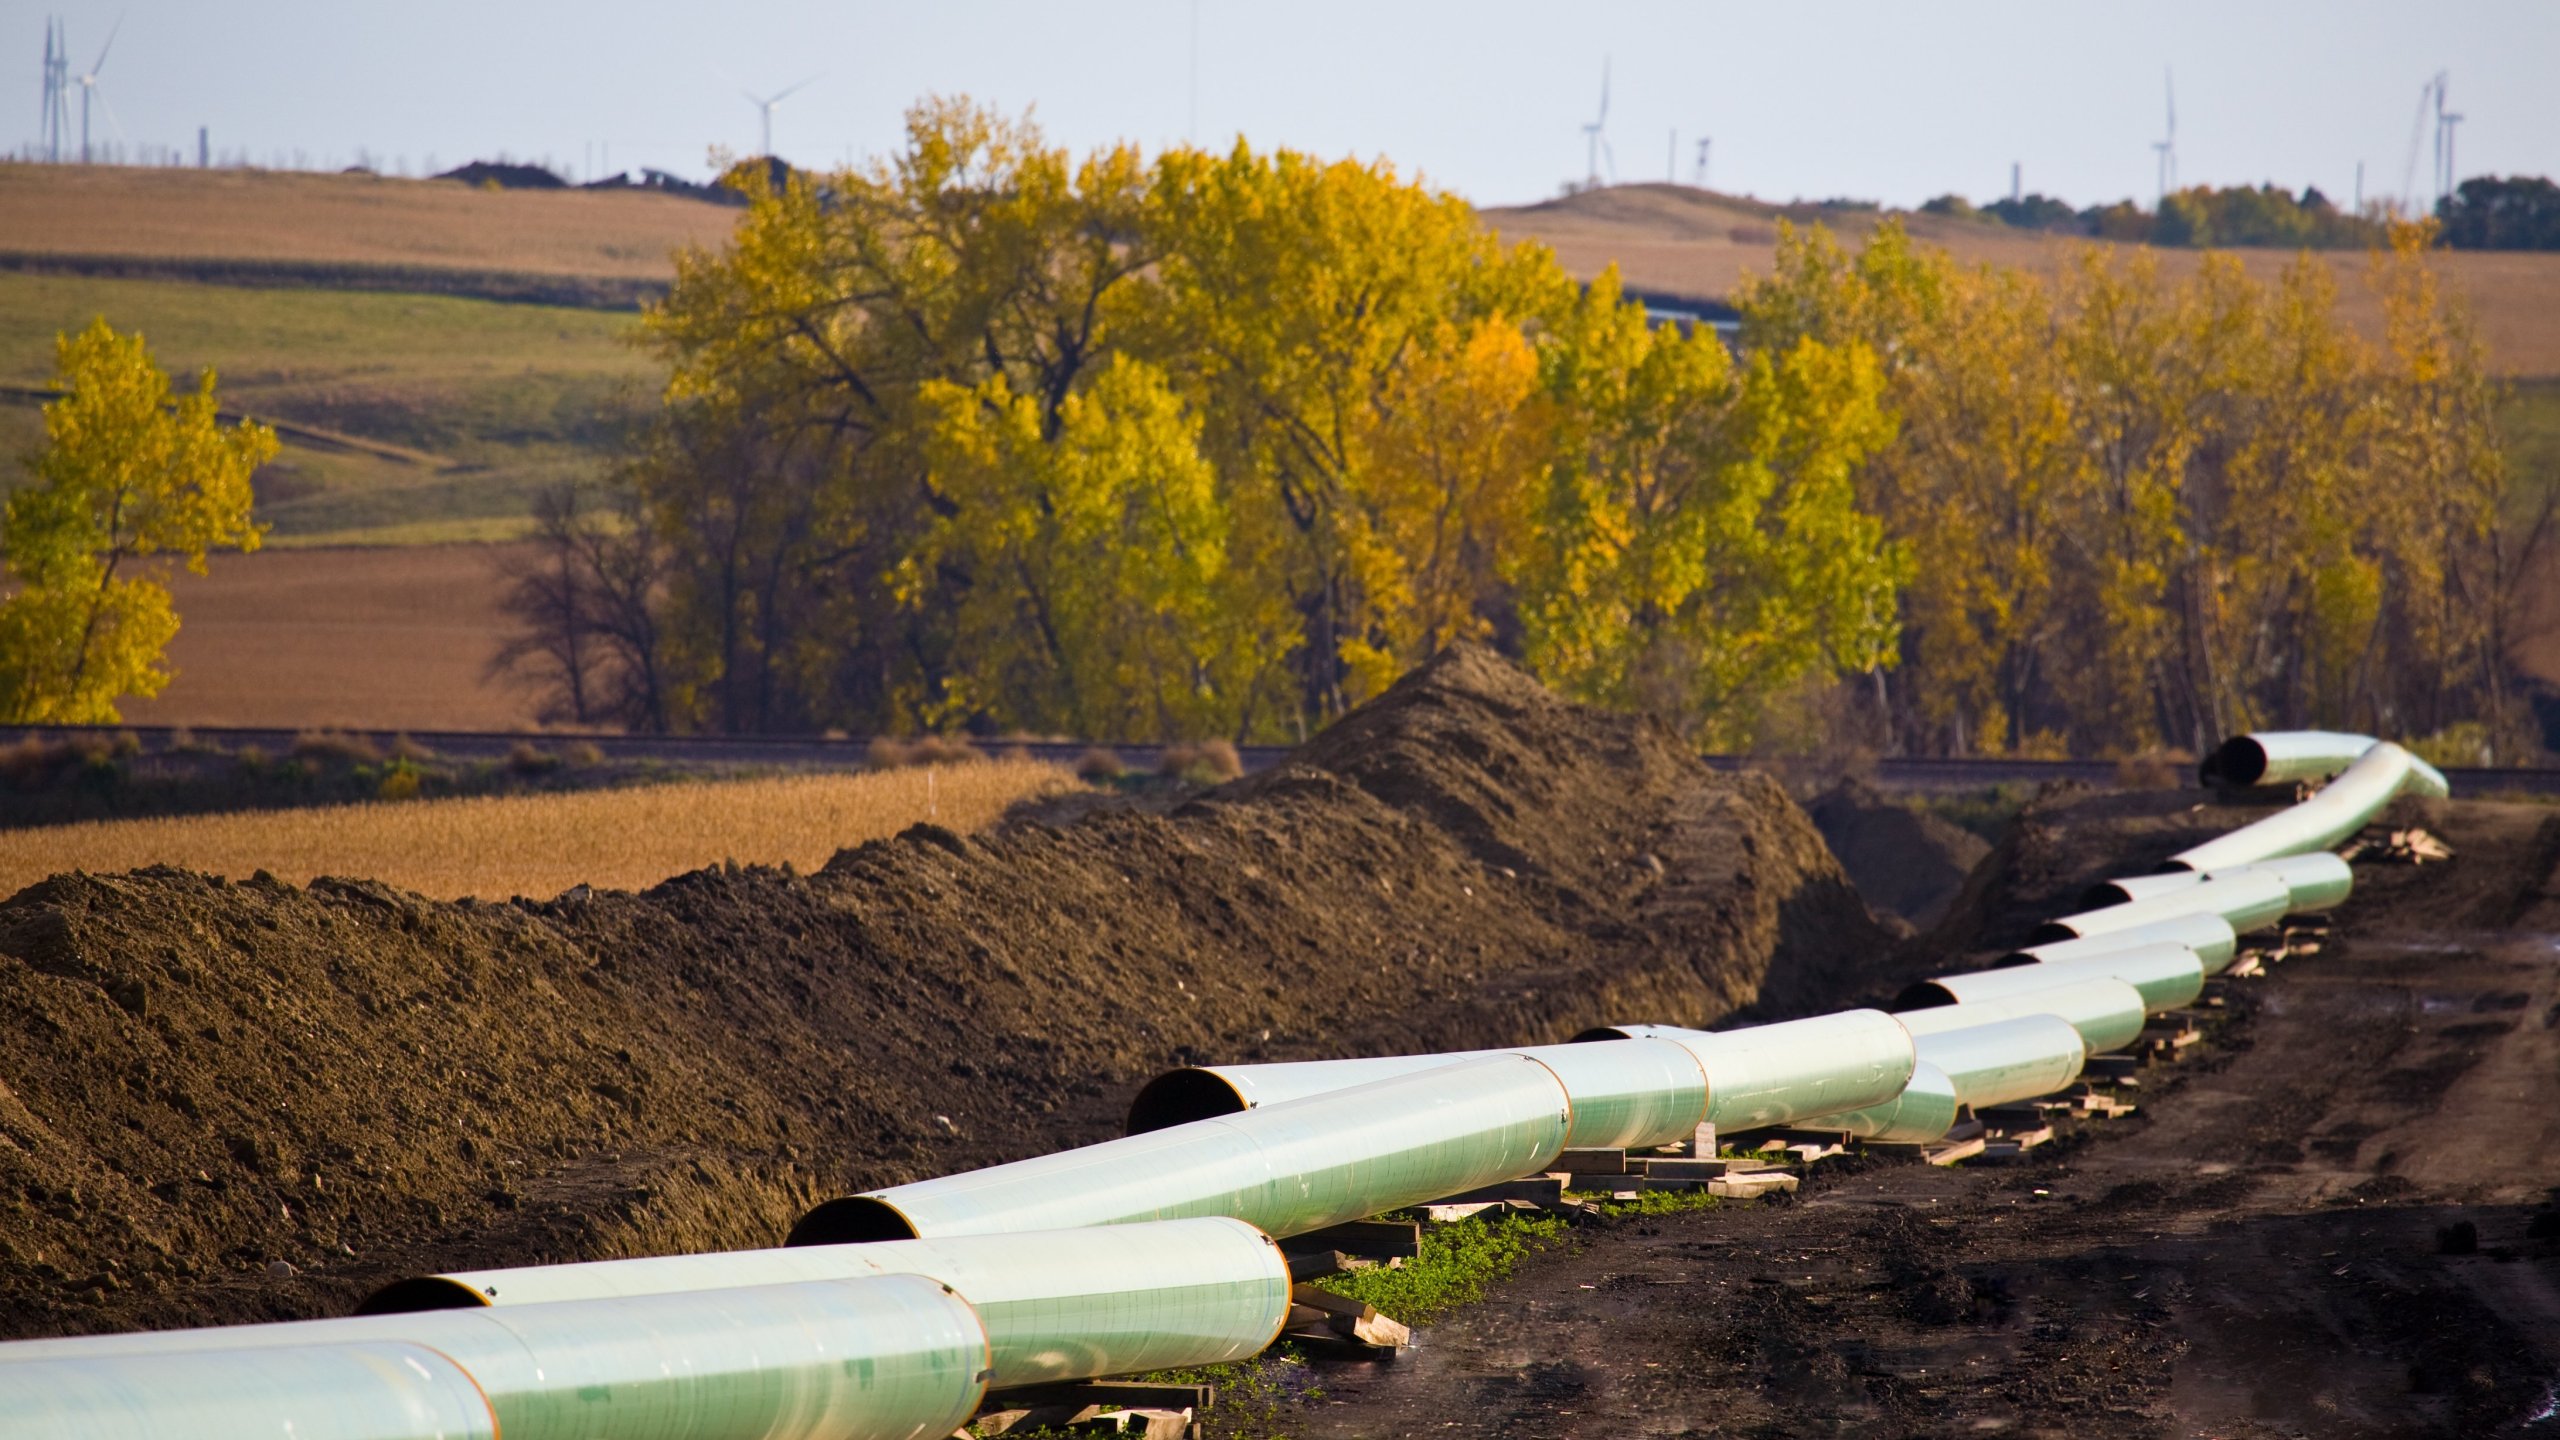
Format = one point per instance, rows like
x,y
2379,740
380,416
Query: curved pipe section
x,y
1078,1305
1926,1110
1626,1096
2166,977
2345,805
1288,1168
887,1357
1776,1074
2248,900
2318,880
2209,936
2281,757
2006,1060
2106,1011
372,1390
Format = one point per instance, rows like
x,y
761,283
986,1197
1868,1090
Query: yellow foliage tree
x,y
128,474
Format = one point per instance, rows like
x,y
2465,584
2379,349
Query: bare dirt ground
x,y
372,638
2271,1247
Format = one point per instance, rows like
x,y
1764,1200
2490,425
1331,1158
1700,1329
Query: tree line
x,y
2482,213
990,436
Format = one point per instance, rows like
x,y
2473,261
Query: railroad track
x,y
822,752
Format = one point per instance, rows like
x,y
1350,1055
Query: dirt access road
x,y
2262,1251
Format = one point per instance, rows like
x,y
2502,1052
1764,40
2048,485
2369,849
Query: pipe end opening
x,y
1923,995
2051,932
1599,1032
2014,959
421,1293
852,1220
2102,895
1178,1097
2235,764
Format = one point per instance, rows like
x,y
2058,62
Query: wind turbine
x,y
1596,134
764,106
57,83
2445,121
2169,148
89,90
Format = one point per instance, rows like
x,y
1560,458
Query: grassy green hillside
x,y
499,400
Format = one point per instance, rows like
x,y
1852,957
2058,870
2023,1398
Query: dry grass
x,y
348,219
498,846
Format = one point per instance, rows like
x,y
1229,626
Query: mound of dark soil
x,y
203,1083
1905,862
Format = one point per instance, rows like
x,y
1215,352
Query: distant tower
x,y
2015,193
1700,179
204,147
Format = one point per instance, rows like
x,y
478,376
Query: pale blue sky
x,y
1894,103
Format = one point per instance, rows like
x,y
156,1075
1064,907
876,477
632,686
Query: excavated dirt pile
x,y
225,1101
1905,862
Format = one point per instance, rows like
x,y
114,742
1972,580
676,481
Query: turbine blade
x,y
101,62
803,85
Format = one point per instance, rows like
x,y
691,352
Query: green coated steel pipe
x,y
2345,805
2210,936
1288,1168
2315,881
1926,1110
2015,1059
372,1390
2166,976
885,1357
2281,757
2248,899
1774,1074
1057,1304
2106,1011
1630,1095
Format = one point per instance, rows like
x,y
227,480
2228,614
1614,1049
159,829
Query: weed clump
x,y
528,759
1209,762
888,754
1100,765
323,747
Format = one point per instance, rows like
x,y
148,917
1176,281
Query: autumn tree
x,y
129,475
984,435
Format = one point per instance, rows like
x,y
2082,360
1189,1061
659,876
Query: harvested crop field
x,y
108,210
357,638
203,1079
541,845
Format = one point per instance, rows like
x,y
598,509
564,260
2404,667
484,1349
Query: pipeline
x,y
1625,1096
2107,1012
2166,977
2283,757
2345,805
1654,1084
1167,1259
1288,1168
887,1357
2316,881
2247,900
1054,1307
2216,944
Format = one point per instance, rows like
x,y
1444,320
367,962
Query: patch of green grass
x,y
1457,1262
510,399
